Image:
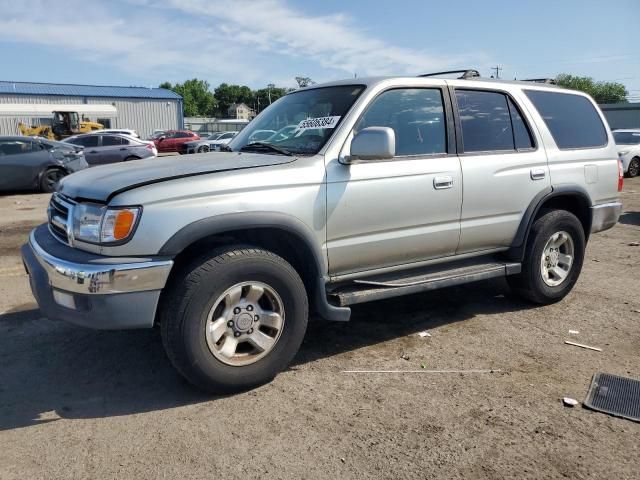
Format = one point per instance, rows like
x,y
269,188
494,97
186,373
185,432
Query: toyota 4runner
x,y
374,188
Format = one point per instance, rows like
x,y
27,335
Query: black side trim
x,y
236,221
516,251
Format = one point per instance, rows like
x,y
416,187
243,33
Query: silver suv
x,y
380,187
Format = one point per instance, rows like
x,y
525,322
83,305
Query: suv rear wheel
x,y
233,320
553,258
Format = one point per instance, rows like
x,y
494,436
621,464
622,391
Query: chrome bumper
x,y
101,278
605,216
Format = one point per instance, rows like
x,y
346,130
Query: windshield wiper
x,y
263,145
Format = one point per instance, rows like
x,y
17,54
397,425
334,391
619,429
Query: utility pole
x,y
497,68
270,86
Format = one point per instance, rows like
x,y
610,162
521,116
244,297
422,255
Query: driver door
x,y
400,211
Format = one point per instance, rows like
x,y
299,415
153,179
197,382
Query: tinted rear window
x,y
572,119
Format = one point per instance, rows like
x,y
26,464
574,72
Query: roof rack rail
x,y
550,81
466,73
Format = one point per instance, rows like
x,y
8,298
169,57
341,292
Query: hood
x,y
104,182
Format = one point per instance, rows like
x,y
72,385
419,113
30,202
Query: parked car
x,y
28,163
393,186
200,146
100,149
260,135
223,139
628,141
156,134
172,140
121,131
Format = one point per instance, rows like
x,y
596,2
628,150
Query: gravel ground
x,y
77,403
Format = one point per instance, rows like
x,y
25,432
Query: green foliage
x,y
227,95
197,99
602,92
262,96
304,81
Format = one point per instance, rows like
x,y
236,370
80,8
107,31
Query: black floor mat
x,y
618,396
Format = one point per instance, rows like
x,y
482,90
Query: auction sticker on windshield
x,y
315,123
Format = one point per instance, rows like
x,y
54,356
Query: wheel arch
x,y
47,167
282,234
572,198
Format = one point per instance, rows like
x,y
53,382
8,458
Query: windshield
x,y
299,123
627,138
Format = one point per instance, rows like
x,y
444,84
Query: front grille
x,y
60,214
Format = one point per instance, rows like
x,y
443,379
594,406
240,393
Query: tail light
x,y
150,147
620,175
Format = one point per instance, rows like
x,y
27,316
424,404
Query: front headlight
x,y
98,224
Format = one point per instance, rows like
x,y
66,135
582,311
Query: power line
x,y
497,68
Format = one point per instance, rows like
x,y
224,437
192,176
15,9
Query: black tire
x,y
634,167
529,284
50,178
203,149
132,157
193,292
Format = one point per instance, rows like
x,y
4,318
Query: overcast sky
x,y
145,42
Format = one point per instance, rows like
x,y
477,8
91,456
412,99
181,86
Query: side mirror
x,y
161,138
373,143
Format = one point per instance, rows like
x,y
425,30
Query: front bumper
x,y
92,290
605,216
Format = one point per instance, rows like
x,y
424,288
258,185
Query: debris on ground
x,y
569,402
424,334
574,332
583,346
634,244
404,356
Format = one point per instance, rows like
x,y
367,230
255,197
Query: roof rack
x,y
466,73
550,81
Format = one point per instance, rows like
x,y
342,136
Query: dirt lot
x,y
77,403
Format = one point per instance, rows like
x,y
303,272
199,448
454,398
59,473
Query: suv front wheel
x,y
234,319
553,258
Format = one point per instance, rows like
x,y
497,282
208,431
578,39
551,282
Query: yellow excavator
x,y
63,125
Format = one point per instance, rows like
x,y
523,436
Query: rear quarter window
x,y
572,119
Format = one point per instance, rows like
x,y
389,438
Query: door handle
x,y
440,183
123,148
537,173
92,151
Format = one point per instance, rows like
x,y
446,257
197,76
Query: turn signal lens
x,y
118,224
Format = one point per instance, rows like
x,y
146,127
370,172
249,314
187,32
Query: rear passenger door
x,y
114,149
504,167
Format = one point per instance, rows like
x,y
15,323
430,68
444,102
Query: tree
x,y
227,95
262,96
602,92
304,81
198,100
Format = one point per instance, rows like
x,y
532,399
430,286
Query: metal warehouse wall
x,y
622,115
143,115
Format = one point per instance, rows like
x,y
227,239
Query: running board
x,y
431,278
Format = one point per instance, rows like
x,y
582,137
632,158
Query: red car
x,y
171,140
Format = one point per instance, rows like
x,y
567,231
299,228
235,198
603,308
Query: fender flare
x,y
220,224
516,250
